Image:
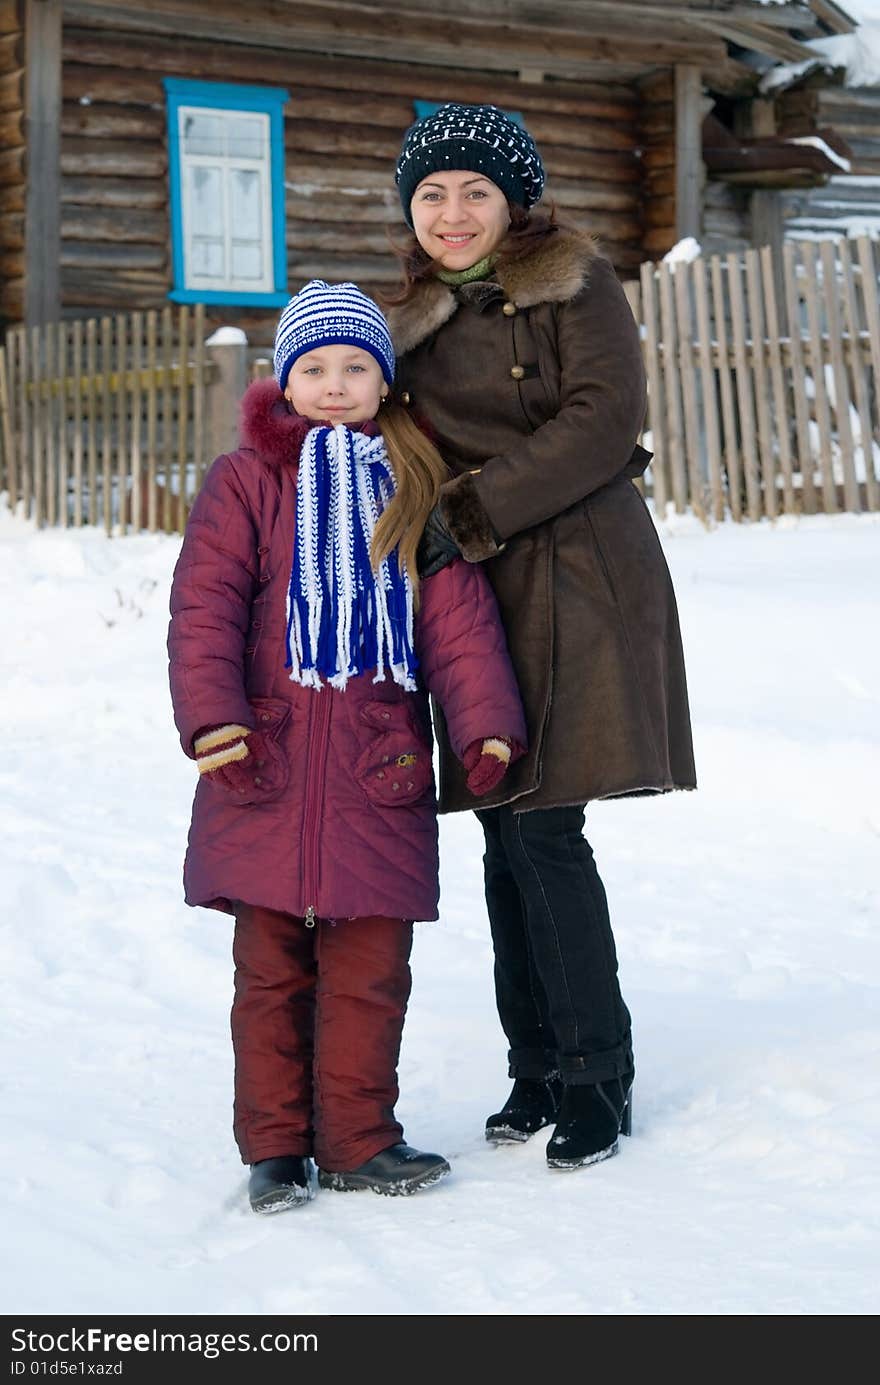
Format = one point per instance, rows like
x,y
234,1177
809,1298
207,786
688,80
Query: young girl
x,y
302,650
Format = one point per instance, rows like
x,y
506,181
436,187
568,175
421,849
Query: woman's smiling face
x,y
459,217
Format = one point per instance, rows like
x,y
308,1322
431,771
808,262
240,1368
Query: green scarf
x,y
455,277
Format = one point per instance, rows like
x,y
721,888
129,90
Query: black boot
x,y
393,1171
532,1104
279,1183
591,1118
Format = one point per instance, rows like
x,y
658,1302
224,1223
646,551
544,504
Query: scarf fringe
x,y
342,618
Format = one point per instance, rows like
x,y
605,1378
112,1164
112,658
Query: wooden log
x,y
10,16
12,166
11,52
116,158
657,241
12,299
306,237
11,129
656,86
112,122
12,90
610,226
355,31
11,230
657,120
141,194
659,156
207,59
119,86
659,211
12,197
113,225
12,264
660,182
78,254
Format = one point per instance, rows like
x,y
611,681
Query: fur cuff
x,y
467,520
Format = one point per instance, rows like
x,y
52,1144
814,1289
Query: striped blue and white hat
x,y
331,315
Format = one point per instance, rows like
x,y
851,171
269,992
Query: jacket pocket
x,y
395,768
269,771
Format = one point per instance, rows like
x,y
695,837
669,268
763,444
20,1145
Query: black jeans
x,y
555,963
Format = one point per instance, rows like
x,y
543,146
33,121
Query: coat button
x,y
381,774
395,785
265,716
257,779
517,371
509,309
386,716
405,398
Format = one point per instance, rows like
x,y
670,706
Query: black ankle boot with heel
x,y
532,1104
276,1184
591,1118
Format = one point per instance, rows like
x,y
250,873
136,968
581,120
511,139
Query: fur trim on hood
x,y
270,426
554,272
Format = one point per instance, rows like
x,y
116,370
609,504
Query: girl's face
x,y
459,217
342,384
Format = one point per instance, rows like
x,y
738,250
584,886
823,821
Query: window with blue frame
x,y
226,168
423,108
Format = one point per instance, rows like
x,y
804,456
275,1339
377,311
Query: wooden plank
x,y
152,361
77,412
198,447
659,465
817,366
137,476
865,252
91,416
744,387
856,364
37,425
677,471
684,329
798,379
121,406
167,417
183,412
831,296
709,392
770,275
12,90
10,470
106,120
689,172
51,406
25,433
114,226
106,366
112,158
43,195
63,467
755,303
140,194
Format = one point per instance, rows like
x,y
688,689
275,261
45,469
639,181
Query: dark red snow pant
x,y
316,1025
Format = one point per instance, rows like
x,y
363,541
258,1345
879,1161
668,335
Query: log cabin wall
x,y
343,128
12,160
656,129
848,199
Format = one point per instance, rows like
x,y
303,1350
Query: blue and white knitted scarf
x,y
343,618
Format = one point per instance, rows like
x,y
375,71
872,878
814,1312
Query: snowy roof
x,y
857,53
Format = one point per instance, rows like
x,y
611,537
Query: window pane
x,y
203,132
205,200
206,258
247,260
246,136
246,202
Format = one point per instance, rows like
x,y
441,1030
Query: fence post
x,y
227,349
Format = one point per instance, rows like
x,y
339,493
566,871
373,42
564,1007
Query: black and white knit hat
x,y
324,314
479,138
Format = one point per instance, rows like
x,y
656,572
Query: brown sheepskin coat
x,y
534,386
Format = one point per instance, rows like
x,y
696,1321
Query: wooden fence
x,y
763,380
103,421
763,396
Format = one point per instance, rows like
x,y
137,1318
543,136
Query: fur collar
x,y
554,272
269,426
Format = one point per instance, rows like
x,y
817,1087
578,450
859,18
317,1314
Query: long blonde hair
x,y
419,471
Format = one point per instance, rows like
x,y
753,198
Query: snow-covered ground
x,y
748,929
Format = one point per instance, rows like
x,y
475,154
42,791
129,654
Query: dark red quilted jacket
x,y
335,835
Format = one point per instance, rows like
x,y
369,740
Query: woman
x,y
515,338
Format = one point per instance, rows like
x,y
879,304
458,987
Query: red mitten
x,y
486,762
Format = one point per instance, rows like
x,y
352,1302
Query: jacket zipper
x,y
314,800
